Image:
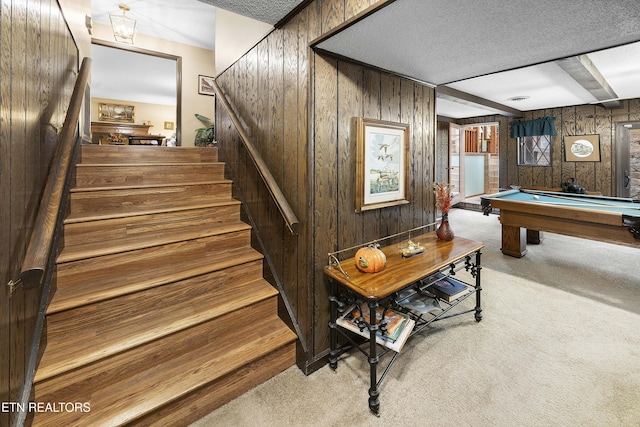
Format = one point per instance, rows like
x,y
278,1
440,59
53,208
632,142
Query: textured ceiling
x,y
269,11
441,41
498,50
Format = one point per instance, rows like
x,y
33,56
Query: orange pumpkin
x,y
370,259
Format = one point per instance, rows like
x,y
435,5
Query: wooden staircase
x,y
160,312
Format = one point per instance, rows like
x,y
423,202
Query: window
x,y
534,150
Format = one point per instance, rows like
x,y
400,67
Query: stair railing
x,y
42,238
278,197
38,256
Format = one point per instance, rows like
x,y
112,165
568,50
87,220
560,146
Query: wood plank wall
x,y
300,109
38,67
570,121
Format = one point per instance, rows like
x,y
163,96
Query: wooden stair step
x,y
177,208
145,199
148,239
208,398
90,153
207,356
76,289
90,175
83,230
92,332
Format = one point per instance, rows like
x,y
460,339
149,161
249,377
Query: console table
x,y
458,257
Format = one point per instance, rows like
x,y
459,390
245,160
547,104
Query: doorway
x,y
148,79
473,161
628,159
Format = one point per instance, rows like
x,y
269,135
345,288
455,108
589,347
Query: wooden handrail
x,y
276,193
42,237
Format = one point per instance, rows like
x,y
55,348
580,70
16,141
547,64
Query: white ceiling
x,y
463,46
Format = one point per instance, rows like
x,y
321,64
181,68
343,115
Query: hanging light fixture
x,y
124,28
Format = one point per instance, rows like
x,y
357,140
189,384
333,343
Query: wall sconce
x,y
124,28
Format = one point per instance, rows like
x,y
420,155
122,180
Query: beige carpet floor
x,y
559,345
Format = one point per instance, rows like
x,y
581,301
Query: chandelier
x,y
124,28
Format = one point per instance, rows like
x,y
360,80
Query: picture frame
x,y
119,113
168,125
582,148
382,163
205,85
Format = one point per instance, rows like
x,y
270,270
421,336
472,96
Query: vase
x,y
444,232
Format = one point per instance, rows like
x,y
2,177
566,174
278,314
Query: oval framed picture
x,y
582,148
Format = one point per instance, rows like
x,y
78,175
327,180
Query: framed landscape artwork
x,y
583,148
116,113
382,164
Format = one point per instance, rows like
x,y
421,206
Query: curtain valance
x,y
541,126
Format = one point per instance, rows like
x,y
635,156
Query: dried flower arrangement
x,y
443,196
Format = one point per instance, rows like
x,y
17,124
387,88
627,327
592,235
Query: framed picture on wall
x,y
205,85
382,163
116,113
583,148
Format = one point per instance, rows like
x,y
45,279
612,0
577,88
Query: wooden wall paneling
x,y
276,145
35,167
525,173
605,171
556,150
49,136
332,14
585,125
409,113
371,108
262,122
567,127
390,101
303,188
19,192
428,154
353,7
511,150
8,269
290,158
313,14
548,170
350,231
414,113
325,188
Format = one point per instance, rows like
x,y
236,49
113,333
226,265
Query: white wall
x,y
235,36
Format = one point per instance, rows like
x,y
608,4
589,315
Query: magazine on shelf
x,y
421,302
449,288
399,325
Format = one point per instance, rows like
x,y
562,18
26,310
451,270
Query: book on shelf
x,y
398,325
448,288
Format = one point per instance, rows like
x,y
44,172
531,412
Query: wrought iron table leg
x,y
478,268
374,393
333,333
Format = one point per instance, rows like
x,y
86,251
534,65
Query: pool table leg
x,y
534,236
514,241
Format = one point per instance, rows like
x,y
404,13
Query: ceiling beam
x,y
451,94
582,70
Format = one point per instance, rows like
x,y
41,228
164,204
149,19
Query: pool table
x,y
525,214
